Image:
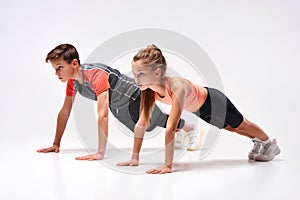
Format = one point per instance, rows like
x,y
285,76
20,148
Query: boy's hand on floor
x,y
54,148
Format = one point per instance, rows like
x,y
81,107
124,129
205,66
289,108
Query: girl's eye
x,y
139,74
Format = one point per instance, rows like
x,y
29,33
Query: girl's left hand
x,y
160,170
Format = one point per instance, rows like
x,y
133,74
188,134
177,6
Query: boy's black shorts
x,y
218,110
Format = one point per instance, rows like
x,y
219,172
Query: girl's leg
x,y
264,149
229,128
249,129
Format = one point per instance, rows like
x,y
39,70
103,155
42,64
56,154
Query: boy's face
x,y
63,69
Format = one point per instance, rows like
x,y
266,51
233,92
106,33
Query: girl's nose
x,y
136,80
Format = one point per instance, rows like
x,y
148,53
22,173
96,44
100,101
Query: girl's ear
x,y
158,72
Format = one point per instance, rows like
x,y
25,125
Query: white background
x,y
254,45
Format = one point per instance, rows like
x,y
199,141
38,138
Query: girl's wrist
x,y
135,156
169,166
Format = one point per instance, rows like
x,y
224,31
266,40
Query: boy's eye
x,y
141,74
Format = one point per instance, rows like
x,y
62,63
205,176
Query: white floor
x,y
224,174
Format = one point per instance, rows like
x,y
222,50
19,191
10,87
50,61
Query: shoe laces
x,y
264,147
257,146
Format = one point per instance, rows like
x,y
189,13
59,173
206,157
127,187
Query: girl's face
x,y
63,69
144,75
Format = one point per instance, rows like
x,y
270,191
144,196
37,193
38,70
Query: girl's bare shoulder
x,y
176,83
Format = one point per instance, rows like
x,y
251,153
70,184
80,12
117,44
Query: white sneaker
x,y
268,151
255,150
195,138
180,140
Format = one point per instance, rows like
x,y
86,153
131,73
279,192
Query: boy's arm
x,y
103,104
62,120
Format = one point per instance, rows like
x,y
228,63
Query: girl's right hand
x,y
132,162
54,148
91,157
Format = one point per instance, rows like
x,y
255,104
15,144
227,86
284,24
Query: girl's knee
x,y
244,125
229,128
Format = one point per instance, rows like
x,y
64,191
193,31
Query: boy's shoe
x,y
255,150
180,140
268,151
195,138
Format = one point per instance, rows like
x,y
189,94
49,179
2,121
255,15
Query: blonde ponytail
x,y
152,56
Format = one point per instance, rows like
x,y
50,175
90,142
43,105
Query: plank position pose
x,y
211,105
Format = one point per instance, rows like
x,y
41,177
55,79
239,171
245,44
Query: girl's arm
x,y
139,132
62,120
179,90
102,100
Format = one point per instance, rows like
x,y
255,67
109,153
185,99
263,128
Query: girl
x,y
149,69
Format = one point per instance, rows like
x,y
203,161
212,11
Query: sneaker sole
x,y
181,147
252,156
266,159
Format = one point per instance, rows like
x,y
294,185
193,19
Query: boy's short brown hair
x,y
66,52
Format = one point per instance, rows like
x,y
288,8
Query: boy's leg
x,y
124,117
129,115
158,118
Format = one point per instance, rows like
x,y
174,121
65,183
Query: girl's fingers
x,y
155,171
80,158
124,163
133,164
159,170
128,163
83,157
151,171
45,150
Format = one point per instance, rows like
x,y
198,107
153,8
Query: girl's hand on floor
x,y
90,157
160,170
133,162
